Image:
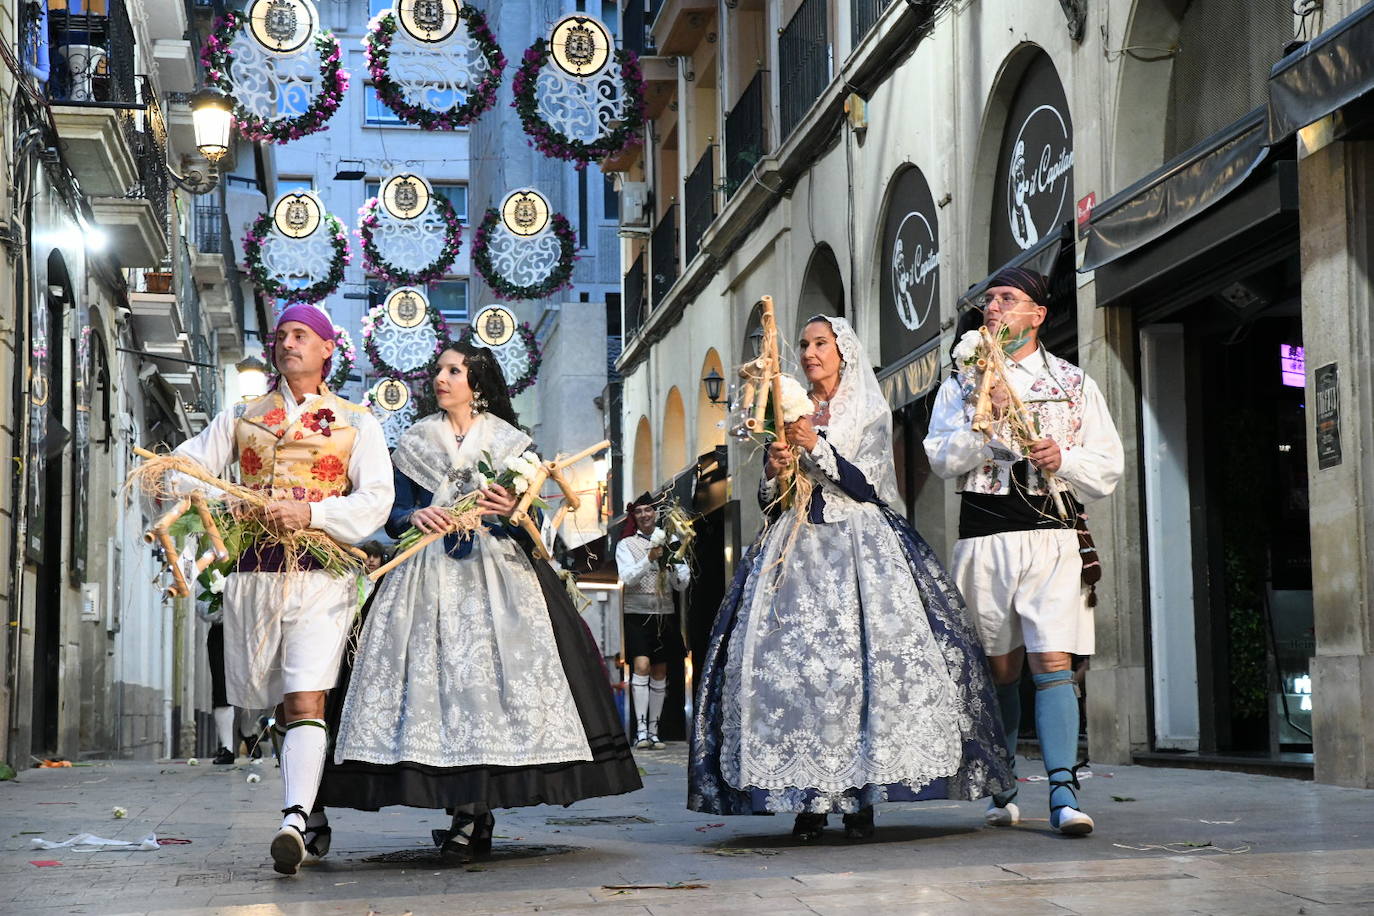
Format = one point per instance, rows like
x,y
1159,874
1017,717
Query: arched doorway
x,y
711,416
822,289
673,453
642,471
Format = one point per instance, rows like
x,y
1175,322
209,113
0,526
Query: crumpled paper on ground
x,y
89,842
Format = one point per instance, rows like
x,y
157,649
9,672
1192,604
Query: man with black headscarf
x,y
653,635
1018,563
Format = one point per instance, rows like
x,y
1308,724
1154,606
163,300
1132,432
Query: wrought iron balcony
x,y
803,63
91,53
746,135
207,226
699,201
663,260
633,298
863,15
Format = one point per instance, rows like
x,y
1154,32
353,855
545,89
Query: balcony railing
x,y
699,202
634,28
863,14
746,137
663,255
92,55
634,298
804,63
149,143
207,226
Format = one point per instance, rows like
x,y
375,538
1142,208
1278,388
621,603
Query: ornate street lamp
x,y
212,119
712,381
252,377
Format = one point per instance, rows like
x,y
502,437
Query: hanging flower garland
x,y
373,261
560,277
480,98
553,142
276,289
374,317
218,55
526,334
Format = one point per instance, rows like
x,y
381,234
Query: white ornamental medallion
x,y
284,74
392,404
435,63
523,249
513,345
404,334
578,97
296,251
410,235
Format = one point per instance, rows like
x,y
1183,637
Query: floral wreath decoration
x,y
558,145
217,56
515,386
271,286
559,278
377,54
373,262
373,318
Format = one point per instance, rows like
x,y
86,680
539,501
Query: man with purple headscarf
x,y
1021,567
323,463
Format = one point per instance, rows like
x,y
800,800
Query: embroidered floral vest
x,y
305,460
1055,400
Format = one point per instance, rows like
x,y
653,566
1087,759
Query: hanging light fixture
x,y
252,377
712,381
212,116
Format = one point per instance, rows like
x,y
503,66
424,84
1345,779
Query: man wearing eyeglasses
x,y
1017,562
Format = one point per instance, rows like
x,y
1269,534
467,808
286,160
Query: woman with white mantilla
x,y
841,671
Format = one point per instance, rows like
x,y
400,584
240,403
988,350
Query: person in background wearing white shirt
x,y
1017,563
324,464
653,634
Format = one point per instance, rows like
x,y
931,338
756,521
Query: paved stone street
x,y
1168,841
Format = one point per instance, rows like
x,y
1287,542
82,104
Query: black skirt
x,y
611,771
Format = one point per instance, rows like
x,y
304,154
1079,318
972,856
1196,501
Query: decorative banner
x,y
394,407
296,239
422,63
514,346
410,235
590,104
404,335
524,250
283,72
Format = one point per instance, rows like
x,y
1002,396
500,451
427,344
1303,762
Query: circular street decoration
x,y
282,26
288,257
525,212
404,335
391,403
286,76
345,357
519,356
297,215
410,235
494,326
590,104
581,45
524,251
427,70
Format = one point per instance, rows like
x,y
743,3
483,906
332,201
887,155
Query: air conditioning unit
x,y
634,204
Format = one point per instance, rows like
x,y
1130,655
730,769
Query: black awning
x,y
1051,256
913,375
1176,192
1042,257
1324,75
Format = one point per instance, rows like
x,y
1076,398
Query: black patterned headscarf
x,y
1033,284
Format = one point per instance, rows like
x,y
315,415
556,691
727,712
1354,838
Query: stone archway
x,y
641,474
673,437
710,426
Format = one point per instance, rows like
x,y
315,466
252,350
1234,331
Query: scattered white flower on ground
x,y
254,777
217,582
966,350
796,403
119,812
192,762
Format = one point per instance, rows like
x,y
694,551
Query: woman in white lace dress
x,y
841,671
475,684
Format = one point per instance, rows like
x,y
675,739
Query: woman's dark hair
x,y
486,379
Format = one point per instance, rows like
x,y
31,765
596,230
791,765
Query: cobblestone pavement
x,y
1168,841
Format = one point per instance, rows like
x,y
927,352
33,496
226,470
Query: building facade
x,y
124,314
882,160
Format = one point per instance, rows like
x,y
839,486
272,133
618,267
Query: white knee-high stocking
x,y
639,692
657,690
302,764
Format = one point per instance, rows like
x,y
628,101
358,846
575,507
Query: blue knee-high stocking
x,y
1056,722
1009,700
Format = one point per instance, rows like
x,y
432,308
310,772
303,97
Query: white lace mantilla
x,y
457,664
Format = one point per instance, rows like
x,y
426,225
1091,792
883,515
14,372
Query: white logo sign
x,y
1038,180
915,260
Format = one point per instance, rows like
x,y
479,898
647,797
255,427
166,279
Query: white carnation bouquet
x,y
796,402
515,474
